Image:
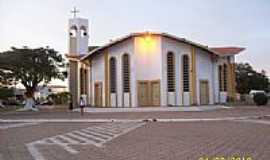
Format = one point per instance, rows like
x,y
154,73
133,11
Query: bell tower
x,y
78,35
77,47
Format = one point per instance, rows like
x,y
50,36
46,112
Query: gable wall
x,y
147,60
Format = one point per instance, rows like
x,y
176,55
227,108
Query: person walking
x,y
70,102
82,105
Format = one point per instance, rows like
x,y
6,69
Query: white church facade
x,y
148,69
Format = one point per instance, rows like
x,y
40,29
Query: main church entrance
x,y
149,93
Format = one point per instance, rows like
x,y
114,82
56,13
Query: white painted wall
x,y
222,96
179,49
80,43
151,64
216,81
118,51
204,67
98,75
147,61
113,100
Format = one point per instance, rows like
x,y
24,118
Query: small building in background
x,y
44,91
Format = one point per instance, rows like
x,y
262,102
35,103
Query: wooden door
x,y
98,94
204,92
155,93
149,93
143,93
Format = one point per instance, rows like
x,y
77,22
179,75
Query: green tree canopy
x,y
248,79
31,66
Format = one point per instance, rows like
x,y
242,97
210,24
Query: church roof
x,y
97,50
225,51
91,48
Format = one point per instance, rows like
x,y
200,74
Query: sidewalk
x,y
154,109
133,113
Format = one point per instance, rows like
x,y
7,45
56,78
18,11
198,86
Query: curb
x,y
124,120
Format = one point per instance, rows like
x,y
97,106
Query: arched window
x,y
126,73
83,80
185,64
83,31
73,31
170,72
225,77
220,77
113,75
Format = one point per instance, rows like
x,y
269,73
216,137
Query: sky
x,y
243,23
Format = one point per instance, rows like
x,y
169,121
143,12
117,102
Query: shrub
x,y
59,98
260,99
6,93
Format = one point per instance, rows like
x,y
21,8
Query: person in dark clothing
x,y
82,105
70,102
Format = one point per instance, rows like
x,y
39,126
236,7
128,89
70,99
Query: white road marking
x,y
34,151
15,125
96,135
89,136
84,140
106,130
100,131
64,146
69,140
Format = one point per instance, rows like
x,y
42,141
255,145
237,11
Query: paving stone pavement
x,y
151,141
95,135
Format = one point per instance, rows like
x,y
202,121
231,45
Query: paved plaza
x,y
235,132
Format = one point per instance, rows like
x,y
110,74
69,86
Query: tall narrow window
x,y
113,75
220,77
185,73
170,72
85,81
82,81
126,73
225,77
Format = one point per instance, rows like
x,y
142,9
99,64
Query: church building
x,y
148,69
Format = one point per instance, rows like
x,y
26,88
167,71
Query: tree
x,y
31,66
248,79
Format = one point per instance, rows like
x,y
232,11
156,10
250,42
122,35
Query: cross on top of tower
x,y
74,12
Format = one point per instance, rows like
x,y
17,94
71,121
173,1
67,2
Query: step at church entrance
x,y
149,93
